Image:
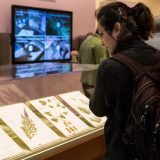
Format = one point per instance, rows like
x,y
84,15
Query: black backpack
x,y
142,132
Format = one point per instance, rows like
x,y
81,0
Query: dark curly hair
x,y
137,20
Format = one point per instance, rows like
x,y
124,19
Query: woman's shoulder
x,y
110,64
110,67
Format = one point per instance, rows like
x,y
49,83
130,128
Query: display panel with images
x,y
8,147
40,35
80,103
59,115
27,126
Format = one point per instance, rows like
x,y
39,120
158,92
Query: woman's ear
x,y
116,31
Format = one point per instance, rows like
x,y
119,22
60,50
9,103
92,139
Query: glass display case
x,y
44,113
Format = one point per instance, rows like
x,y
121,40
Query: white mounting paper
x,y
29,128
80,103
59,115
8,148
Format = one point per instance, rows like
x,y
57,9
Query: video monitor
x,y
40,35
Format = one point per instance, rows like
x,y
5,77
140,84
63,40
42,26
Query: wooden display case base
x,y
90,150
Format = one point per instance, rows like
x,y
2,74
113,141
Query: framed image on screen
x,y
40,35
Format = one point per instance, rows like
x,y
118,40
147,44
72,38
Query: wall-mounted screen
x,y
40,35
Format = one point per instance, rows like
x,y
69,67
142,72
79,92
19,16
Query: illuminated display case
x,y
44,114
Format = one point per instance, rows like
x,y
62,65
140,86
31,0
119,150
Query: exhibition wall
x,y
83,13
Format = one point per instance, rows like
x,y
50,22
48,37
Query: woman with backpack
x,y
123,31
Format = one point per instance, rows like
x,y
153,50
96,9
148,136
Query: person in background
x,y
123,30
155,39
91,51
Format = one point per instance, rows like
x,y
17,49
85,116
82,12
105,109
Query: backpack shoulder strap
x,y
131,64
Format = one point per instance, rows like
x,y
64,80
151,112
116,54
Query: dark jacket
x,y
113,93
